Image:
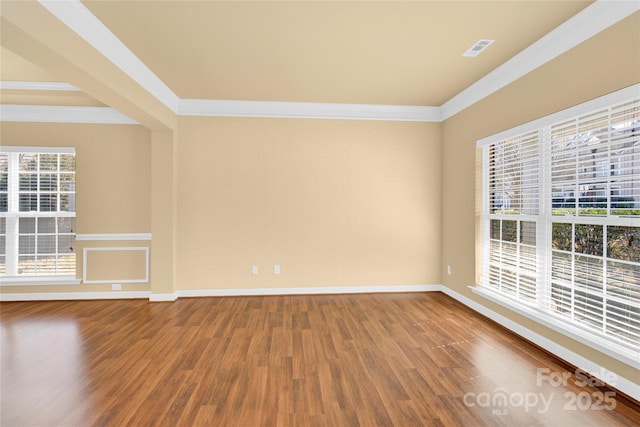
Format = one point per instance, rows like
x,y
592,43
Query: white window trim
x,y
622,351
45,150
57,279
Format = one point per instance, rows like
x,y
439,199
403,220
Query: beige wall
x,y
607,62
113,181
333,202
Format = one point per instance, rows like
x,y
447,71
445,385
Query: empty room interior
x,y
320,213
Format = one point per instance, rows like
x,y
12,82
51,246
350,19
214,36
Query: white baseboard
x,y
307,291
163,297
70,296
626,386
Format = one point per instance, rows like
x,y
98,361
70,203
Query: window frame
x,y
544,219
13,216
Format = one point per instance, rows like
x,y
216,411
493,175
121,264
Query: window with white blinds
x,y
561,220
37,212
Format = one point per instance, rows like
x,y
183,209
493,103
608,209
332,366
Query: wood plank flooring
x,y
344,360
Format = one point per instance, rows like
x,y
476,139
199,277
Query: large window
x,y
561,221
37,213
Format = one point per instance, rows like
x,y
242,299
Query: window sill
x,y
609,347
39,280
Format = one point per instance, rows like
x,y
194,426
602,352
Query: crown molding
x,y
308,110
84,23
584,25
62,114
50,86
590,21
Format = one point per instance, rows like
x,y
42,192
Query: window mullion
x,y
543,230
13,205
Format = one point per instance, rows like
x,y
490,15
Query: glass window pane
x,y
4,163
560,299
67,264
48,162
495,229
4,181
3,226
27,245
561,268
46,225
67,162
66,225
4,202
623,243
46,244
3,265
67,182
46,265
589,239
27,225
27,265
67,202
509,231
528,233
562,236
623,280
48,182
624,321
588,308
28,202
28,162
66,244
3,245
48,202
28,182
588,273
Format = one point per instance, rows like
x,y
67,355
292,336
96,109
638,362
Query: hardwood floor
x,y
345,360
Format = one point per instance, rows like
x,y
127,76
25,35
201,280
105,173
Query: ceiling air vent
x,y
478,47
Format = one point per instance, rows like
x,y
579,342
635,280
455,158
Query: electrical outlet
x,y
449,270
254,269
276,269
116,287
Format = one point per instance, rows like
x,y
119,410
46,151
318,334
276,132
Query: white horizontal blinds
x,y
586,214
514,175
4,207
622,285
625,159
40,215
595,277
513,179
596,163
595,178
623,241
